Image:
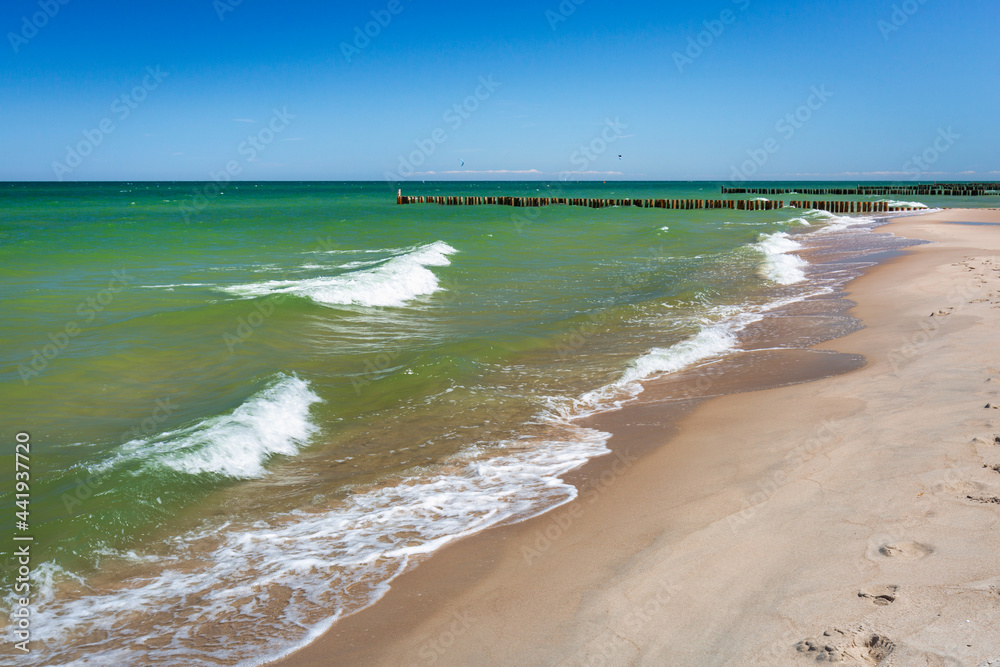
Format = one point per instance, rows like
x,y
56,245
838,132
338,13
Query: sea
x,y
248,408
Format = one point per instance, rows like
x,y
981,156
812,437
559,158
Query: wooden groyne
x,y
672,204
528,202
925,190
853,206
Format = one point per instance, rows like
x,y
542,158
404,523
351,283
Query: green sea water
x,y
289,391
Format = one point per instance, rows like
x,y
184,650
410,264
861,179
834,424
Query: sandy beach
x,y
851,519
566,333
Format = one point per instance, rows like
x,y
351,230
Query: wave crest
x,y
779,264
392,282
238,444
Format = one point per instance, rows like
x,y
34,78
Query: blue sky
x,y
719,90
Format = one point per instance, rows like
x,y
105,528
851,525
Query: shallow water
x,y
247,419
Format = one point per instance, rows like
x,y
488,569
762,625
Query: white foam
x,y
709,342
328,562
779,264
837,223
238,444
177,285
336,560
392,282
390,251
360,264
912,204
716,338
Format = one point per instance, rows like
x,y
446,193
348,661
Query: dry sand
x,y
851,519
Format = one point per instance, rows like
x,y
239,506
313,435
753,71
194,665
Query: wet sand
x,y
851,519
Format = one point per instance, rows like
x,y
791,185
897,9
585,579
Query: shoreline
x,y
754,528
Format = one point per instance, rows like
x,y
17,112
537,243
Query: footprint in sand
x,y
961,489
906,550
880,595
861,648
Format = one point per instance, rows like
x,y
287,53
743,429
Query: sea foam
x,y
912,204
238,444
779,264
290,577
711,341
392,282
716,337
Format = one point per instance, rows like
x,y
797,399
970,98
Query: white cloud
x,y
490,171
862,174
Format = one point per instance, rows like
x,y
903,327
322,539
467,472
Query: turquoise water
x,y
252,410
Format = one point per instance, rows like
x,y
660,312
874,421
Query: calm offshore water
x,y
247,418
